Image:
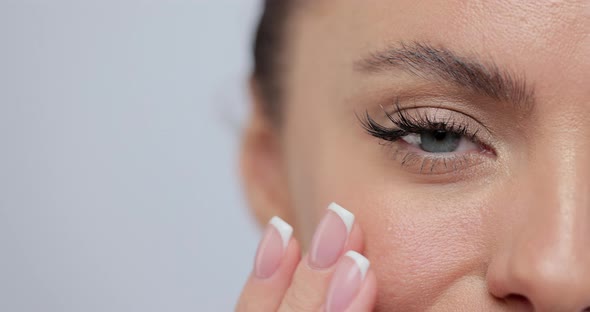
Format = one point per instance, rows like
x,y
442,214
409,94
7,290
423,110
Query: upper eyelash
x,y
407,124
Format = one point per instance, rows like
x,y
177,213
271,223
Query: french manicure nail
x,y
330,237
346,281
272,247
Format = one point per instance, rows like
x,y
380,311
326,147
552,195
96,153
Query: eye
x,y
440,141
432,141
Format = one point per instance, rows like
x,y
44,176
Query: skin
x,y
510,232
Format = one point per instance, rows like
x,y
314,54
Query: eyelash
x,y
406,124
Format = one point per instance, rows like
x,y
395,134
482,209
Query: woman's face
x,y
475,191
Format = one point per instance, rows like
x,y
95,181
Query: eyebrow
x,y
426,61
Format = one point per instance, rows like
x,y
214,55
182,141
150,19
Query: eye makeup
x,y
430,140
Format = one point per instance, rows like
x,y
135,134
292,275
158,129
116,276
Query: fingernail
x,y
272,247
330,237
346,281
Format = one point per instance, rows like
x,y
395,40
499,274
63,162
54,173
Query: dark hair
x,y
268,53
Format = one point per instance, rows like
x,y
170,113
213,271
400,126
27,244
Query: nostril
x,y
516,299
519,300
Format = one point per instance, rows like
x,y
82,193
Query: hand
x,y
332,277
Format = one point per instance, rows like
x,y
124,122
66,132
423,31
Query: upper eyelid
x,y
401,104
404,120
454,117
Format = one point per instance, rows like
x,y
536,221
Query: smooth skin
x,y
509,232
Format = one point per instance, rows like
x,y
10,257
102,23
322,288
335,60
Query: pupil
x,y
440,135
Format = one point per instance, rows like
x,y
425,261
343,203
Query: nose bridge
x,y
563,191
548,260
558,193
557,175
555,199
558,206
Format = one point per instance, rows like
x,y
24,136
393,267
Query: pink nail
x,y
330,237
272,247
347,281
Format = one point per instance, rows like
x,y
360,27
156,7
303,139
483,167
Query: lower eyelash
x,y
430,164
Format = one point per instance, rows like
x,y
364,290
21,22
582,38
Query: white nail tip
x,y
346,216
284,229
360,260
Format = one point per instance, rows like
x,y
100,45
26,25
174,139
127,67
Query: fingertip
x,y
346,216
292,257
356,239
288,265
349,279
273,270
285,229
366,298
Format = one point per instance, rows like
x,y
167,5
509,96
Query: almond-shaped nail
x,y
272,247
346,281
330,237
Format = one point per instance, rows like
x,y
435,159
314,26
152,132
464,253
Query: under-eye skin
x,y
430,140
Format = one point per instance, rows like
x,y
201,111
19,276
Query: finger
x,y
353,286
335,234
276,260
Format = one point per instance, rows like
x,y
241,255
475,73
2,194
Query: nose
x,y
542,282
542,260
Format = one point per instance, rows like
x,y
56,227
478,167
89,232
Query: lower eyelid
x,y
417,161
439,165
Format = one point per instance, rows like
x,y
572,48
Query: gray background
x,y
119,125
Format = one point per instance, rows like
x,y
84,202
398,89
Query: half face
x,y
458,132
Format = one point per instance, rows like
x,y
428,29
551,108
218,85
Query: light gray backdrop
x,y
119,124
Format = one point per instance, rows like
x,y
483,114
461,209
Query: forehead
x,y
548,41
545,21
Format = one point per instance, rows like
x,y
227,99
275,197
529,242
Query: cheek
x,y
422,241
420,249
